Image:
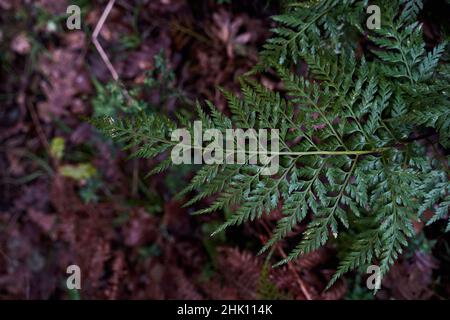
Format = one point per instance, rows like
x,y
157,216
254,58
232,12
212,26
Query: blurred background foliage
x,y
69,196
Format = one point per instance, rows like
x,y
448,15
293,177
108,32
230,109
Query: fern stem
x,y
287,153
405,62
309,24
316,106
293,153
347,180
303,133
385,126
332,153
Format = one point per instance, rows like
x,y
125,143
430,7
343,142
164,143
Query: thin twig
x,y
115,76
291,268
41,135
102,52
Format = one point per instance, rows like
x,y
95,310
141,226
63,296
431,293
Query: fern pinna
x,y
352,151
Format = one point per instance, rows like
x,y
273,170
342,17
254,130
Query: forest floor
x,y
70,196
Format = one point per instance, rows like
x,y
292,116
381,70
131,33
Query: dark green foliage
x,y
347,132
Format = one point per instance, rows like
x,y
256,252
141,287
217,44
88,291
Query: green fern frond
x,y
346,130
